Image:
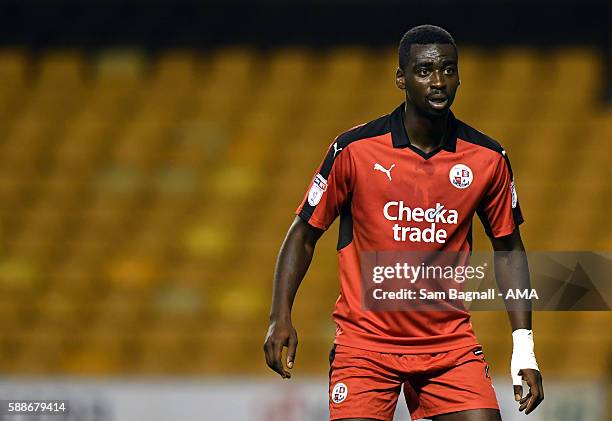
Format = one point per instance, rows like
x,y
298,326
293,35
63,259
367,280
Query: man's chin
x,y
435,111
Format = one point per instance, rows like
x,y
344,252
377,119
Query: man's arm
x,y
293,261
512,272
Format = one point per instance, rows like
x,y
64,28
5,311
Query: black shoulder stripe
x,y
471,135
373,128
508,164
365,131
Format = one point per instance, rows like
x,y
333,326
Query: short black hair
x,y
422,34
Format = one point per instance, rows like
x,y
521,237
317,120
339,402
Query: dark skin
x,y
293,261
512,271
430,81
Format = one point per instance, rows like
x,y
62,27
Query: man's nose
x,y
437,80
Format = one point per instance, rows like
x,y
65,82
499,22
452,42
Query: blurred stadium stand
x,y
145,197
149,169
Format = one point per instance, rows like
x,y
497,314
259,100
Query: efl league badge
x,y
319,185
461,176
339,393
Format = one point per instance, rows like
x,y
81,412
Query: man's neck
x,y
425,132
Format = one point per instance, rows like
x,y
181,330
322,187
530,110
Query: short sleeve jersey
x,y
391,196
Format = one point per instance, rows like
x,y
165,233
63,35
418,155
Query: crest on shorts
x,y
339,393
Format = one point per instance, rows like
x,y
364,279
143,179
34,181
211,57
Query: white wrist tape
x,y
522,354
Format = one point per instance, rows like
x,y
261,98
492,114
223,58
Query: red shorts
x,y
367,384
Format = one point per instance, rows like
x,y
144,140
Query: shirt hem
x,y
450,345
310,220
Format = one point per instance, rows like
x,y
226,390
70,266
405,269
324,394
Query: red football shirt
x,y
391,196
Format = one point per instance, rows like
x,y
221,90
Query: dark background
x,y
162,24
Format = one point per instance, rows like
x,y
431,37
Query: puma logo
x,y
336,149
379,167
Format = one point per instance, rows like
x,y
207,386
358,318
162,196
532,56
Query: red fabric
x,y
422,186
366,384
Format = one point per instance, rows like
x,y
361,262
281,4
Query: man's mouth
x,y
437,101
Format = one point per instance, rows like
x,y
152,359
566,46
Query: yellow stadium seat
x,y
142,216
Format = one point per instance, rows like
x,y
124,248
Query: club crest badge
x,y
339,393
461,176
319,185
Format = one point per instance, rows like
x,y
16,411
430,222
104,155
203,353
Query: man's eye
x,y
423,72
450,71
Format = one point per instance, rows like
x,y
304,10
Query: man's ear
x,y
400,81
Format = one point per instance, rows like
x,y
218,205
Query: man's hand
x,y
280,334
533,378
